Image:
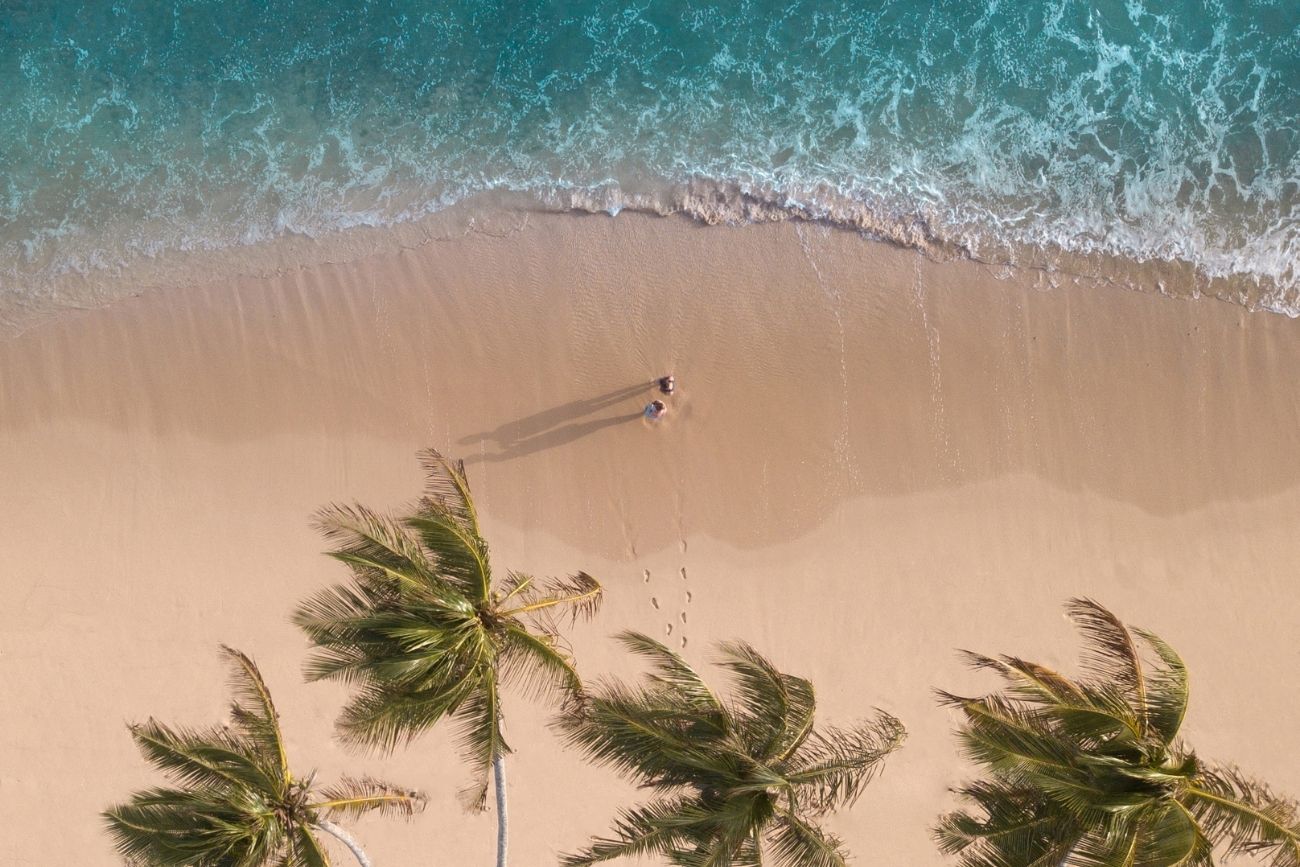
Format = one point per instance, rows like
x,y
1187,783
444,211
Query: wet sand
x,y
872,459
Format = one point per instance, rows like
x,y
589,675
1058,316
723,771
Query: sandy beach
x,y
873,459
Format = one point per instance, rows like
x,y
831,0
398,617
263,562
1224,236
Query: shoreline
x,y
504,211
933,454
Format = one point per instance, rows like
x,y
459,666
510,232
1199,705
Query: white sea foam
x,y
1037,132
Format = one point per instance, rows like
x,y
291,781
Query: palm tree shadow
x,y
552,427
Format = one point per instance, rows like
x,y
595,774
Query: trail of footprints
x,y
687,595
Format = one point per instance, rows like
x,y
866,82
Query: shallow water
x,y
1152,130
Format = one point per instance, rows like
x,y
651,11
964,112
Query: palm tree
x,y
1089,772
422,632
234,802
738,781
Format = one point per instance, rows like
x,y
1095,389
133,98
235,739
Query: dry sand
x,y
873,459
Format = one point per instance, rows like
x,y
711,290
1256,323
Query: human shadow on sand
x,y
553,427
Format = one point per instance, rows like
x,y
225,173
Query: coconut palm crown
x,y
424,631
1089,772
233,800
740,781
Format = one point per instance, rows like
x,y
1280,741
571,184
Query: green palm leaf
x,y
307,851
538,661
1110,654
672,673
234,802
1168,690
253,713
352,796
211,757
1246,815
738,778
832,766
421,634
777,709
1091,774
647,830
795,843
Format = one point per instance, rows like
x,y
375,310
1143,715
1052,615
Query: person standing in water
x,y
656,409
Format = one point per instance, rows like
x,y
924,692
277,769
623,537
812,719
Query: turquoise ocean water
x,y
1151,129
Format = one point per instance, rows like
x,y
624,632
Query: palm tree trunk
x,y
335,831
499,779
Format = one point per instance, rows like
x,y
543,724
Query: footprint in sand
x,y
683,642
683,616
655,602
681,546
668,629
646,579
689,596
683,571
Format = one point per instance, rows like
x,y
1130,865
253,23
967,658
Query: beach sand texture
x,y
872,460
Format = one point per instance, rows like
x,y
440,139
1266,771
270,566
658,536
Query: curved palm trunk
x,y
499,780
348,840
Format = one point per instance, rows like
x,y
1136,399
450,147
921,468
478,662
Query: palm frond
x,y
307,850
1027,681
479,735
724,847
1016,825
352,796
1246,814
536,662
1110,654
1113,844
447,523
732,762
235,803
212,758
1162,835
834,765
461,556
656,828
557,600
1090,774
390,582
671,672
254,713
382,716
1087,714
178,828
1171,837
801,708
516,584
795,843
636,733
1114,701
1088,727
1168,689
370,538
334,618
412,661
406,642
774,711
421,634
447,486
1008,739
